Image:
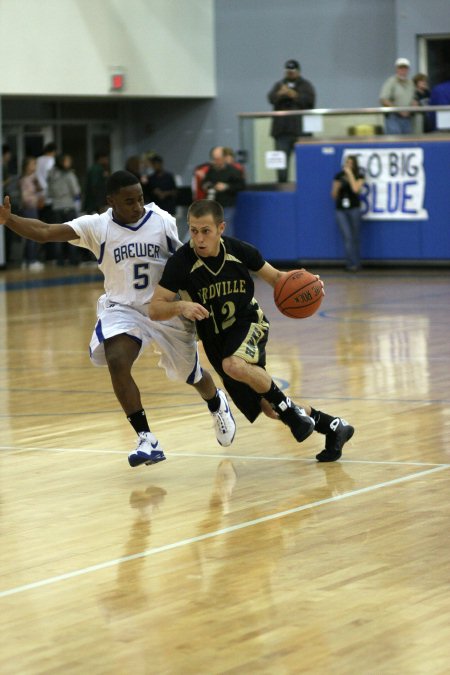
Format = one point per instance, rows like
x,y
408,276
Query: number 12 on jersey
x,y
228,310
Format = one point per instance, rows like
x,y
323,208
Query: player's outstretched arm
x,y
34,229
163,306
269,274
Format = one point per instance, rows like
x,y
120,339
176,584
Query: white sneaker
x,y
224,421
36,266
148,450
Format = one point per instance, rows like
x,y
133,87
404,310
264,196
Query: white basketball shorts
x,y
174,340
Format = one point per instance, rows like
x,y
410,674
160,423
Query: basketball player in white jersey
x,y
132,243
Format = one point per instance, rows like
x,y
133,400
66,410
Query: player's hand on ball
x,y
321,282
298,293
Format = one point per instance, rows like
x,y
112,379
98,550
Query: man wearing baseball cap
x,y
293,92
398,90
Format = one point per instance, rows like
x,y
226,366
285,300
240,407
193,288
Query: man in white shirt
x,y
132,243
44,163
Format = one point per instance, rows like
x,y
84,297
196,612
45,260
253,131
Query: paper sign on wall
x,y
394,187
275,159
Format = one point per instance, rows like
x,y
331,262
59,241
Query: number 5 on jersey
x,y
141,275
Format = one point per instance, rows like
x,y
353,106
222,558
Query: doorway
x,y
434,57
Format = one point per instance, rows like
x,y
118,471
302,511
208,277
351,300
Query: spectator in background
x,y
11,187
440,93
398,90
44,163
197,180
6,159
134,165
95,185
32,200
146,172
421,90
64,191
347,185
161,187
222,182
421,97
230,158
293,92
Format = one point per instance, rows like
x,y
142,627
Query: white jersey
x,y
131,256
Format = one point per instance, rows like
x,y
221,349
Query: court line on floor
x,y
213,455
210,535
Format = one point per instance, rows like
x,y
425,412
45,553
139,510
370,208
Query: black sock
x,y
322,421
214,402
138,421
275,396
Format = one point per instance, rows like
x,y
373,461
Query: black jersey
x,y
346,198
222,284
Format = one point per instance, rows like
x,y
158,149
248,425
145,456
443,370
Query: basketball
x,y
298,294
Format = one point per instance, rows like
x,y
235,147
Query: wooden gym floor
x,y
240,560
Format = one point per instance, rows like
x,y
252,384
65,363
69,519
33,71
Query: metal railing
x,y
326,124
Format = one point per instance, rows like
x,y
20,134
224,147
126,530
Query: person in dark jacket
x,y
161,186
221,183
95,186
293,92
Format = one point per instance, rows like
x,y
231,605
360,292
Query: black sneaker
x,y
300,424
341,432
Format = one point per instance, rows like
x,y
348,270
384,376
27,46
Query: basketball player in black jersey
x,y
211,275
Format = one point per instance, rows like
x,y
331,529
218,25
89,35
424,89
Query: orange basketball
x,y
298,294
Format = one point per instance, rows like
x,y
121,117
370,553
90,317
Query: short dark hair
x,y
120,179
59,161
49,147
419,77
203,207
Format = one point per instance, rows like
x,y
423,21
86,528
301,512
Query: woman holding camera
x,y
347,185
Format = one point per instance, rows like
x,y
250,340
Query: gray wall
x,y
72,47
419,17
346,48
